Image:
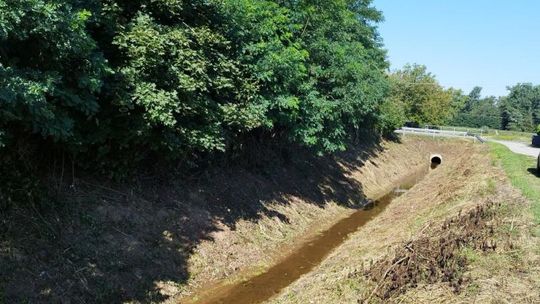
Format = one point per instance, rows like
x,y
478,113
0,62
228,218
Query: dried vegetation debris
x,y
435,256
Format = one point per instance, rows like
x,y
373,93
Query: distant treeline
x,y
418,99
518,111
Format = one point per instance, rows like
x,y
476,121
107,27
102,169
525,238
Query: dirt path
x,y
519,147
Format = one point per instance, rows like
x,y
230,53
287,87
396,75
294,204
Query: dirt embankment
x,y
251,247
460,235
154,239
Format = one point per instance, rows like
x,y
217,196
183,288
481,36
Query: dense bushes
x,y
114,82
478,112
477,120
50,69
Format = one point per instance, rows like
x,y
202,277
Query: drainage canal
x,y
305,258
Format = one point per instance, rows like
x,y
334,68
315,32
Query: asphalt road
x,y
519,147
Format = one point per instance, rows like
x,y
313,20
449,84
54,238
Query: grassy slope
x,y
488,131
524,139
509,273
521,171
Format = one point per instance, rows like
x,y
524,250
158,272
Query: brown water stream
x,y
262,287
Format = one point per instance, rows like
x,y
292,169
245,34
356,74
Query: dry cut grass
x,y
463,234
251,247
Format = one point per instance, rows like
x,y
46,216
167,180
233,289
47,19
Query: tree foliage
x,y
422,98
478,112
51,70
113,82
520,110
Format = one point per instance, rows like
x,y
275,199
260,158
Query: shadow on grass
x,y
112,243
534,172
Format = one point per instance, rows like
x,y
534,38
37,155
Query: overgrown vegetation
x,y
431,259
478,112
520,110
108,84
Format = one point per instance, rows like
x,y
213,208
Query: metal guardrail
x,y
435,131
480,139
439,133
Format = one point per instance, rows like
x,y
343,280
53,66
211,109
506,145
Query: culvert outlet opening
x,y
435,160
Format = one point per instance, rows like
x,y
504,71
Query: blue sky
x,y
489,43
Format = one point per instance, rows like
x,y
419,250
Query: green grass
x,y
521,170
493,133
510,137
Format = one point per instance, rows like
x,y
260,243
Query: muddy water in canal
x,y
262,287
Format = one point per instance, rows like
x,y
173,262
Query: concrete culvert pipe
x,y
435,160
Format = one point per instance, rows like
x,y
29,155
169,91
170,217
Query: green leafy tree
x,y
459,101
479,112
51,70
424,100
113,82
51,75
208,74
190,91
520,110
392,115
474,96
346,86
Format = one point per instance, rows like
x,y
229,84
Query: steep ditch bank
x,y
156,240
256,246
306,257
